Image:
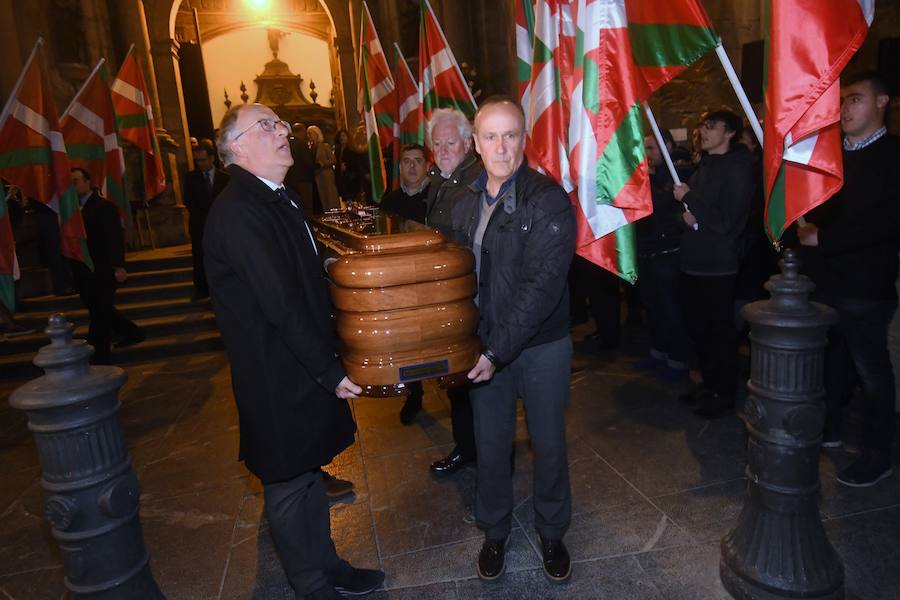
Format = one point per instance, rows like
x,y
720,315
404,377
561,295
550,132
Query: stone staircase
x,y
156,296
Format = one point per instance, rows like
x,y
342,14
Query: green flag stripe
x,y
375,170
626,255
384,119
86,151
523,70
26,156
137,121
622,155
590,90
777,210
8,292
669,45
68,204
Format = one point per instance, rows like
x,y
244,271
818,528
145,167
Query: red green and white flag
x,y
135,119
409,127
7,256
524,47
440,78
667,37
802,163
92,140
376,98
33,153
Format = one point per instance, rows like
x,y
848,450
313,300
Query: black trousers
x,y
660,293
300,525
196,230
462,421
540,377
708,302
98,292
51,248
858,351
595,290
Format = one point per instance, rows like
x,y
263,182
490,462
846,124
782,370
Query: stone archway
x,y
161,24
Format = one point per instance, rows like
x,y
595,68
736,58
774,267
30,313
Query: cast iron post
x,y
91,495
779,548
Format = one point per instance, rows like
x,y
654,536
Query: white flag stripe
x,y
384,89
440,62
110,142
543,94
88,118
523,44
800,152
129,91
409,105
868,9
37,123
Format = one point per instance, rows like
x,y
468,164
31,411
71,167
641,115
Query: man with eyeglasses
x,y
269,293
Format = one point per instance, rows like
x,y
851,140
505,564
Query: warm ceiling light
x,y
258,4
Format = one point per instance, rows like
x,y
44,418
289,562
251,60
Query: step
x,y
132,310
126,295
181,260
153,327
161,276
20,366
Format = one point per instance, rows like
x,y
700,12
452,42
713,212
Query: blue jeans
x,y
858,351
540,377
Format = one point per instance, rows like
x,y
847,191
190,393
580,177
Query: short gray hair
x,y
227,133
453,116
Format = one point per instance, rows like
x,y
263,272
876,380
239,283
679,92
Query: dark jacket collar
x,y
251,182
468,161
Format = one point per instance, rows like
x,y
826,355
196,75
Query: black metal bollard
x,y
779,548
90,491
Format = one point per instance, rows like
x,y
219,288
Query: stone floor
x,y
654,490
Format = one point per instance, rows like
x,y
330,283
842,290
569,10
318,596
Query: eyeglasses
x,y
267,125
709,125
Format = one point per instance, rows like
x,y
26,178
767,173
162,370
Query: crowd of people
x,y
702,254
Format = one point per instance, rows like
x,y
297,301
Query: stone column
x,y
11,60
345,97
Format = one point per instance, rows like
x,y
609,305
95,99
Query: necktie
x,y
286,200
209,181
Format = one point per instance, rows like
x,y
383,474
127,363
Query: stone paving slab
x,y
654,489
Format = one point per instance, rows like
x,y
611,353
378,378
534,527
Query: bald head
x,y
500,139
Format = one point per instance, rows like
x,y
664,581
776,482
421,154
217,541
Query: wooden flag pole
x,y
739,92
662,143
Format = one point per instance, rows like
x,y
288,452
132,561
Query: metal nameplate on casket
x,y
403,296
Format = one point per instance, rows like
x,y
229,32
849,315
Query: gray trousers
x,y
300,524
540,377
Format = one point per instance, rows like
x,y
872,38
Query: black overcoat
x,y
197,198
270,296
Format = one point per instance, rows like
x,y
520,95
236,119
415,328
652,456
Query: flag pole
x,y
662,143
739,91
7,108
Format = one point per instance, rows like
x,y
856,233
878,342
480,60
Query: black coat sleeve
x,y
259,262
113,235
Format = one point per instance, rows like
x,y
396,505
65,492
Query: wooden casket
x,y
404,300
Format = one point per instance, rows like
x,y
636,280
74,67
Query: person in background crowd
x,y
524,331
301,175
97,286
271,301
409,201
346,167
324,159
449,135
201,186
852,241
717,203
659,259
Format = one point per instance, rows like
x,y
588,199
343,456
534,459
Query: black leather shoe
x,y
693,397
557,566
135,338
451,463
351,581
490,559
